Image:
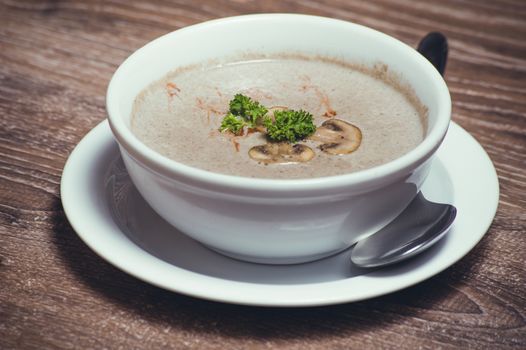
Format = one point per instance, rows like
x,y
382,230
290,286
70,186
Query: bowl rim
x,y
175,170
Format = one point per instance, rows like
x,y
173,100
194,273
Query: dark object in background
x,y
434,47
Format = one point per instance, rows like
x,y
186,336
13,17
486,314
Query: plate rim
x,y
297,295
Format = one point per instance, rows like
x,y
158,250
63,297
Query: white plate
x,y
110,216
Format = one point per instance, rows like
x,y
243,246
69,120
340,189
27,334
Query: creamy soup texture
x,y
179,115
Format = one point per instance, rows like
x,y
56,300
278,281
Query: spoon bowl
x,y
416,229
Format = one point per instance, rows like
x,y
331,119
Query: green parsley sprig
x,y
289,125
248,109
243,111
232,123
284,125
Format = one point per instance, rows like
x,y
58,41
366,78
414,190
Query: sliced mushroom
x,y
281,153
338,137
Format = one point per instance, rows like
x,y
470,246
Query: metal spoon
x,y
422,223
417,228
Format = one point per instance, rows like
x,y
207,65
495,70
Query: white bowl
x,y
266,220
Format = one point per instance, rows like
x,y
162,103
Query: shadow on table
x,y
190,314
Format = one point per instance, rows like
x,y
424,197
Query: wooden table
x,y
56,58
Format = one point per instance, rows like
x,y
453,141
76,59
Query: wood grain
x,y
56,58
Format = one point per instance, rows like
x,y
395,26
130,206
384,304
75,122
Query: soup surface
x,y
179,116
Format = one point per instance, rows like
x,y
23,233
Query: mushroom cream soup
x,y
364,117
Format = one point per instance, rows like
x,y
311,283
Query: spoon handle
x,y
434,47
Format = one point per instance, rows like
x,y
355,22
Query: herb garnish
x,y
232,123
251,111
289,125
285,125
